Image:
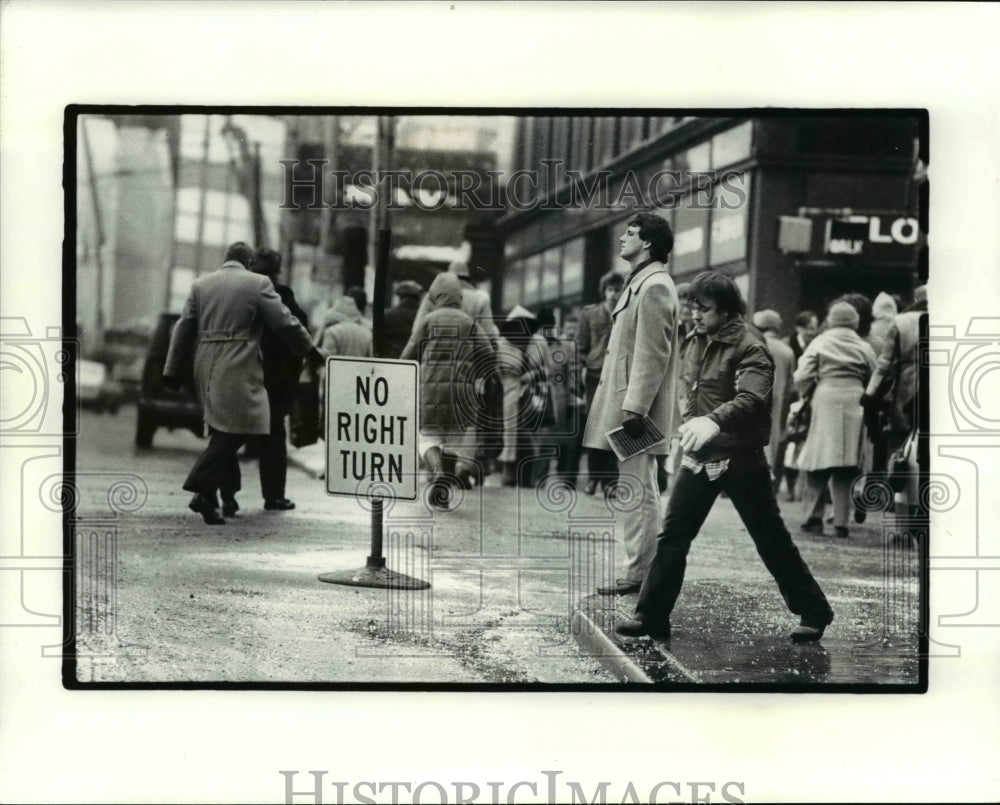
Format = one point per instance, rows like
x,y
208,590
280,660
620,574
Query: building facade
x,y
797,209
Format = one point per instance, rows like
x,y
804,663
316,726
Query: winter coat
x,y
221,326
729,378
592,333
281,365
453,352
883,312
781,393
397,326
474,303
640,369
835,367
897,367
344,334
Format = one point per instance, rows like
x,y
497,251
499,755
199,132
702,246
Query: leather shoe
x,y
620,587
814,525
207,509
841,531
808,631
278,504
229,507
591,487
635,628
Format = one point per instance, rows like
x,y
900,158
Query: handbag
x,y
799,418
902,462
304,418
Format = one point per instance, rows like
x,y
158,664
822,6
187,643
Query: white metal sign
x,y
371,427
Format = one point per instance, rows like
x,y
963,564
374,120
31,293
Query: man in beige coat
x,y
639,380
220,330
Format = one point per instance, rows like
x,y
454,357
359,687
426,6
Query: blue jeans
x,y
747,481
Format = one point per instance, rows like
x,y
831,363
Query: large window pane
x,y
730,219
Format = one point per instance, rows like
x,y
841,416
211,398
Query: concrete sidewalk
x,y
731,626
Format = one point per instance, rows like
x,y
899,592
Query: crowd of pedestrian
x,y
653,381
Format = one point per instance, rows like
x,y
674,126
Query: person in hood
x,y
453,353
521,365
884,312
475,302
343,333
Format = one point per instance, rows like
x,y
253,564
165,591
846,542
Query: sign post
x,y
371,450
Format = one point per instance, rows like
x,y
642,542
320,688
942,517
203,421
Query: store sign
x,y
870,235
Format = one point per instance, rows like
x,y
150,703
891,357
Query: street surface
x,y
163,598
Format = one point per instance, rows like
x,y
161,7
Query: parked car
x,y
158,406
97,389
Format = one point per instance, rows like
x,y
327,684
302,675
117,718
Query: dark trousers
x,y
273,447
747,482
602,465
218,468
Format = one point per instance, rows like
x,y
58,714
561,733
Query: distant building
x,y
797,209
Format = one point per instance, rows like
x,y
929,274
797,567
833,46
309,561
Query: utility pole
x,y
98,224
381,230
200,239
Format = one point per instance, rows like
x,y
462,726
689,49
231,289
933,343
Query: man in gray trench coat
x,y
221,328
639,379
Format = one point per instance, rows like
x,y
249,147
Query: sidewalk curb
x,y
599,647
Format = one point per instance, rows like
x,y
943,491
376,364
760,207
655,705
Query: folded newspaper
x,y
626,446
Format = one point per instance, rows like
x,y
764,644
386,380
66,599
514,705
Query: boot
x,y
467,472
437,486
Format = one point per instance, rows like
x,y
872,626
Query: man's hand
x,y
697,432
633,426
172,383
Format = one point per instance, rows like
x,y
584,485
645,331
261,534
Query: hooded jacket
x,y
343,333
453,352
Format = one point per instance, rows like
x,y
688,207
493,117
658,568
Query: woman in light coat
x,y
522,355
835,367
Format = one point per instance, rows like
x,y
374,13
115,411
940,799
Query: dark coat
x,y
221,326
729,377
398,325
453,352
282,365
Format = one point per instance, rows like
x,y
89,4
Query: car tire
x,y
145,427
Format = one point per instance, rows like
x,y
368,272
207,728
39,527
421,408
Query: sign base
x,y
374,574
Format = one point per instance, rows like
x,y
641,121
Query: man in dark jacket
x,y
592,334
727,376
281,378
398,322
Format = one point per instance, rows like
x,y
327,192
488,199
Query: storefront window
x,y
730,219
532,280
743,283
699,157
572,269
551,265
512,281
732,146
690,236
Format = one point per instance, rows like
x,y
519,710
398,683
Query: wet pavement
x,y
513,571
